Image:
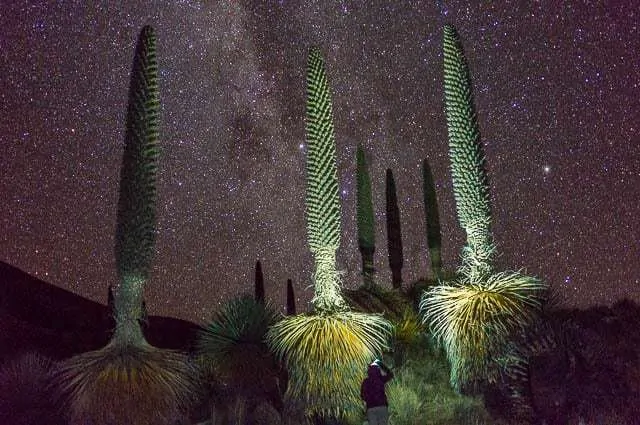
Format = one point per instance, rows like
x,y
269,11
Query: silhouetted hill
x,y
40,317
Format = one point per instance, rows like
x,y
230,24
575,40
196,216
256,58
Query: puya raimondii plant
x,y
326,351
432,220
130,381
365,218
473,316
394,231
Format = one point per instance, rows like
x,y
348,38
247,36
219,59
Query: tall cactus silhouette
x,y
365,217
258,284
394,232
432,220
474,315
136,216
291,299
130,381
324,351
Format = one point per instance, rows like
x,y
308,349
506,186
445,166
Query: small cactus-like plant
x,y
259,283
291,299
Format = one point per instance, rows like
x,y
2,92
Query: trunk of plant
x,y
367,266
396,277
436,262
128,312
328,297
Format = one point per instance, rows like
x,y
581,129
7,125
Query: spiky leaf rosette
x,y
432,219
232,343
473,320
136,216
470,185
322,199
123,385
325,356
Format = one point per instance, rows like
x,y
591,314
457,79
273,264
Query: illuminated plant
x,y
325,352
474,315
130,381
365,218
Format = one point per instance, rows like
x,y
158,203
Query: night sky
x,y
557,94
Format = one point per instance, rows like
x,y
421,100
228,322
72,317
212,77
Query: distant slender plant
x,y
291,300
394,232
432,220
365,218
474,316
325,352
130,381
259,283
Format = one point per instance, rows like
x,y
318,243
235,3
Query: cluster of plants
x,y
463,335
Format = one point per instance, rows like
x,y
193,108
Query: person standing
x,y
373,393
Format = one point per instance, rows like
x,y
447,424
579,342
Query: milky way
x,y
556,91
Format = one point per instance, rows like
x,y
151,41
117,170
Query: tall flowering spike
x,y
136,219
394,232
470,184
432,219
365,217
366,225
323,202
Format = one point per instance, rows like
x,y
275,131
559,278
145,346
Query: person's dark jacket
x,y
372,388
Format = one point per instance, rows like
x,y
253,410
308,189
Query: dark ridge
x,y
36,316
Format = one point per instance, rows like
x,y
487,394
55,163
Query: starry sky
x,y
557,92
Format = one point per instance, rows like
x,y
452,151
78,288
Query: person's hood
x,y
374,371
